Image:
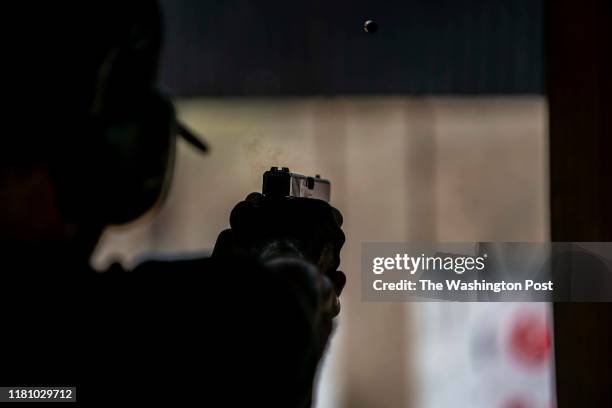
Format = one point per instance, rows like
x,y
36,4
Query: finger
x,y
330,302
255,198
336,307
241,213
338,216
338,278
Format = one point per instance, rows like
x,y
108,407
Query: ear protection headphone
x,y
124,164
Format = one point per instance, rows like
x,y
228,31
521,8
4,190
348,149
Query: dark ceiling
x,y
247,47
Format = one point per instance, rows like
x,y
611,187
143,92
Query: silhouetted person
x,y
88,143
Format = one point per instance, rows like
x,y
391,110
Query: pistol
x,y
279,182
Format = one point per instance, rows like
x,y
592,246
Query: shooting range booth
x,y
571,67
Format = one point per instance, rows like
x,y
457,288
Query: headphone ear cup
x,y
121,165
121,159
137,160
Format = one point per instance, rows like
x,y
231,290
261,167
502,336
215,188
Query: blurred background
x,y
433,128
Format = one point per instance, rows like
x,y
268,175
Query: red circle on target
x,y
530,340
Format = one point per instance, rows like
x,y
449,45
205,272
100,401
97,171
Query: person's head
x,y
96,142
